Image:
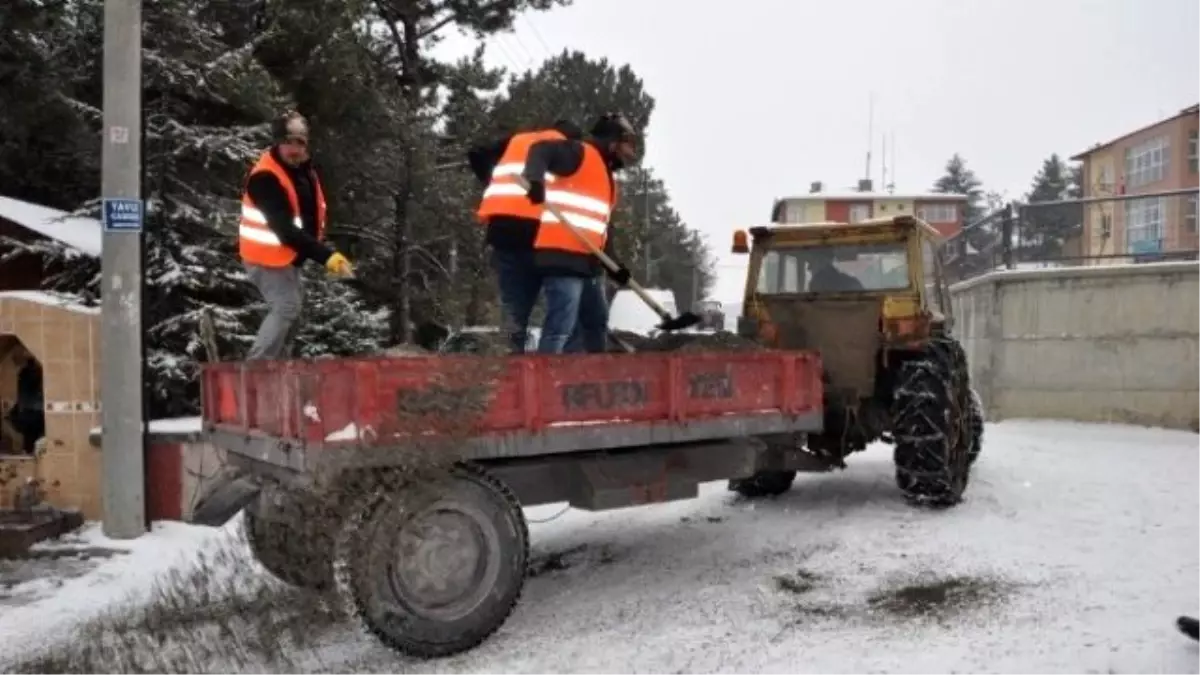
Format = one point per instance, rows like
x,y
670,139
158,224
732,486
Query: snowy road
x,y
1077,548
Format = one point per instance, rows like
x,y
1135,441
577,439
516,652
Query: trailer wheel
x,y
292,535
763,484
434,568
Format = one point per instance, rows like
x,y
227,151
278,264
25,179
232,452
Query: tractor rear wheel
x,y
930,426
976,419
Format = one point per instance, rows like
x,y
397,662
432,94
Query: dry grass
x,y
220,613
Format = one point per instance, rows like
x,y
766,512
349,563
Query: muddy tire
x,y
292,535
763,484
975,421
434,568
930,426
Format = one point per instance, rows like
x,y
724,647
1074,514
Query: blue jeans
x,y
563,295
519,283
591,330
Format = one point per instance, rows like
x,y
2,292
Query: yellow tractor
x,y
872,299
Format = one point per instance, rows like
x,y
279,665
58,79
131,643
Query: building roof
x,y
81,234
50,298
1190,110
875,196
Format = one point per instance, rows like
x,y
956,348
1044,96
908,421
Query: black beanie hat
x,y
613,126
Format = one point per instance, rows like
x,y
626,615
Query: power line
x,y
537,35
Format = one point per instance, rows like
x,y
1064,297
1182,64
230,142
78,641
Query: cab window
x,y
836,268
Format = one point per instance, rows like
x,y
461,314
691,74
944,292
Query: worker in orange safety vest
x,y
283,225
512,222
577,178
583,190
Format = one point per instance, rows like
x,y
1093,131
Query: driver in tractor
x,y
826,277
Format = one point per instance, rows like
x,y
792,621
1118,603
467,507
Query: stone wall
x,y
1092,344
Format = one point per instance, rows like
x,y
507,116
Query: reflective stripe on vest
x,y
257,243
586,199
503,196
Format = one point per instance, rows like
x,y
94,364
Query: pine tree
x,y
1045,228
572,86
46,139
338,321
657,245
205,103
1075,190
961,180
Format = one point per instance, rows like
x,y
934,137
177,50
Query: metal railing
x,y
1104,230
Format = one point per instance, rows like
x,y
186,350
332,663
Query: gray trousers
x,y
283,291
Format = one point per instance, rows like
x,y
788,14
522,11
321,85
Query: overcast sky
x,y
756,99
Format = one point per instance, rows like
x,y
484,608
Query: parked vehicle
x,y
399,482
873,300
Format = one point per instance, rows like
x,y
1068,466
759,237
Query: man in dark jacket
x,y
282,226
570,280
826,277
511,238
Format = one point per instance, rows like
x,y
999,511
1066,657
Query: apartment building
x,y
1156,158
943,211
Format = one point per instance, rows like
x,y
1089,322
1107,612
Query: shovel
x,y
685,320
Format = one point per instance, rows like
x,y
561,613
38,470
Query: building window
x,y
1145,222
802,212
860,212
1104,185
1146,163
938,213
1189,218
1104,226
1192,151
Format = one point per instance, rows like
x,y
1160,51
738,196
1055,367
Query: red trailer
x,y
398,482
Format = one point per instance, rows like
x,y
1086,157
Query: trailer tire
x,y
930,418
767,483
291,534
434,568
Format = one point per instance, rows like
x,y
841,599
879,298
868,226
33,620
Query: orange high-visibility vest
x,y
503,196
257,244
586,198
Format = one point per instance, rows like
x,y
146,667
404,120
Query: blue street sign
x,y
122,215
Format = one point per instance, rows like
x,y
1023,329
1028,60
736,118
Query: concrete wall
x,y
1095,344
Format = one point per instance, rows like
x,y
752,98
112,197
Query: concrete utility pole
x,y
122,444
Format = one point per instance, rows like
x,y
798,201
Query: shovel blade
x,y
685,320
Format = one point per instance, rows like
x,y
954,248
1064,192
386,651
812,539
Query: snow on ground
x,y
170,425
1076,549
102,572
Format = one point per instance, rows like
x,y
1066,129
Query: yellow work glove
x,y
338,266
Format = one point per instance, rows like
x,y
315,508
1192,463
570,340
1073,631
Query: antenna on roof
x,y
870,131
883,161
891,187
